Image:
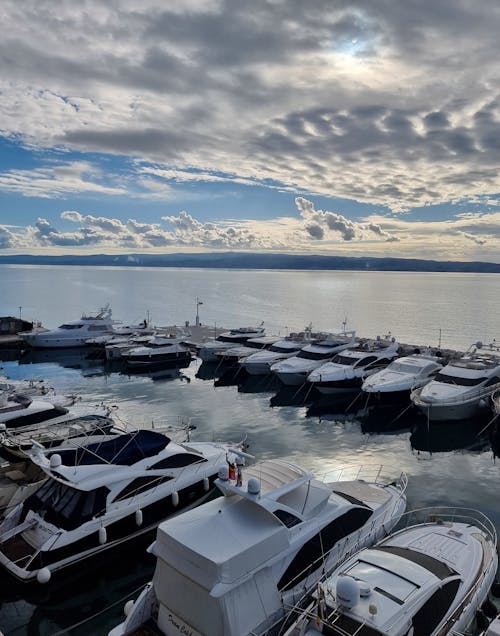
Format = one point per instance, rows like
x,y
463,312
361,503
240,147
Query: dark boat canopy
x,y
126,449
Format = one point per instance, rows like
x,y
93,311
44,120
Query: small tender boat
x,y
100,495
294,371
226,340
427,579
401,377
463,388
347,371
71,334
231,566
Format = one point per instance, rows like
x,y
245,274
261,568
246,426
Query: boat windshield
x,y
64,506
315,355
345,360
453,379
254,345
68,327
276,349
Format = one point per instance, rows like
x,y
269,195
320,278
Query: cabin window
x,y
433,610
95,327
70,327
64,506
276,349
345,360
140,485
315,355
453,379
309,557
493,380
287,518
178,461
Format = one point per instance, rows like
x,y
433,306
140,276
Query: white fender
x,y
103,535
138,517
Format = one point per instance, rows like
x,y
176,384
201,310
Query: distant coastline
x,y
238,260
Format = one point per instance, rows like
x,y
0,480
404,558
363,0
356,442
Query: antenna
x,y
198,303
344,324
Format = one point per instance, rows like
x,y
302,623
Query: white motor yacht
x,y
16,444
347,371
231,566
71,334
463,388
260,363
227,339
401,377
101,495
19,413
427,579
294,371
238,353
158,351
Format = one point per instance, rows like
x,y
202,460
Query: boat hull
x,y
441,412
119,533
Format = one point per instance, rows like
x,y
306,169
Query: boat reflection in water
x,y
70,358
468,435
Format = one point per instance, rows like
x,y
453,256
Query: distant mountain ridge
x,y
238,260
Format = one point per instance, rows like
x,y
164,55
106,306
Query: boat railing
x,y
446,515
373,473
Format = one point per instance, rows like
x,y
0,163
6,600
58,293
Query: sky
x,y
368,127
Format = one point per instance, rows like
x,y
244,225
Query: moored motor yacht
x,y
294,371
231,566
71,334
426,579
20,413
227,339
158,351
98,496
233,355
463,388
16,444
347,370
401,377
260,362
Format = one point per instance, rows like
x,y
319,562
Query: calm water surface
x,y
447,465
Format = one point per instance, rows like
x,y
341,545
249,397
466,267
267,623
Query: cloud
x,y
475,239
6,238
360,100
317,221
57,181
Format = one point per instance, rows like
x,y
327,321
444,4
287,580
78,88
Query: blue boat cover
x,y
125,450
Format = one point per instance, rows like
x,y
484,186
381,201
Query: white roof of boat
x,y
407,564
228,538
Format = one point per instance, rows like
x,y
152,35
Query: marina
x,y
295,424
